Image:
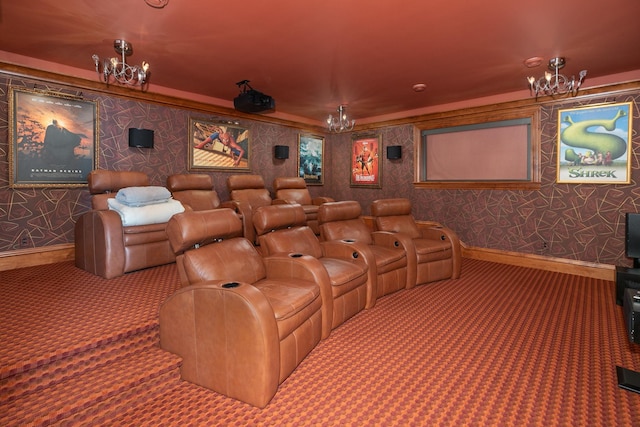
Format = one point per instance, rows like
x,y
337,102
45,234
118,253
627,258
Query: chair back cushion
x,y
195,190
341,220
281,228
234,260
292,189
250,189
394,215
191,228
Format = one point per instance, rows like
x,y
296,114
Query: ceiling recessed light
x,y
419,87
534,61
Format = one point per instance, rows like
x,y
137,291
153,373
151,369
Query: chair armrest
x,y
99,243
227,338
245,213
287,267
322,199
440,232
392,239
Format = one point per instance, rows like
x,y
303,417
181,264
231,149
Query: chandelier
x,y
554,83
122,72
341,123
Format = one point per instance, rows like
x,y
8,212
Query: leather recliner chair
x,y
245,322
294,190
346,281
251,192
436,254
106,248
343,221
195,191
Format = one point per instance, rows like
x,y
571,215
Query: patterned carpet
x,y
501,346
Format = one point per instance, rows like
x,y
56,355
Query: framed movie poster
x,y
366,168
52,139
594,144
311,159
218,146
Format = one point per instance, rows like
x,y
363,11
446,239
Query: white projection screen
x,y
497,151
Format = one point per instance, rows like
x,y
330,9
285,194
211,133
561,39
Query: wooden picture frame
x,y
53,139
366,167
311,159
594,144
218,146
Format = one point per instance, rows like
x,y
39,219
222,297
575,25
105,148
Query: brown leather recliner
x,y
196,192
106,248
437,254
343,221
346,282
294,190
250,190
245,322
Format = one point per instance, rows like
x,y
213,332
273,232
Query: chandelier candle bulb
x,y
553,83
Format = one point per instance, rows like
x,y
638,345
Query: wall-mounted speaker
x,y
394,152
140,138
281,152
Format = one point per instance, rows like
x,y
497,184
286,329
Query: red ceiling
x,y
311,56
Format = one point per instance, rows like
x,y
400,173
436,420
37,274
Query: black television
x,y
632,238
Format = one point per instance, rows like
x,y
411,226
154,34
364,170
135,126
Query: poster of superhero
x,y
594,144
52,139
217,146
366,169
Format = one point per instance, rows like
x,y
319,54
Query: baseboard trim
x,y
20,258
10,260
562,265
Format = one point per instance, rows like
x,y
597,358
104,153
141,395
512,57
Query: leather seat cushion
x,y
388,259
345,276
292,303
428,250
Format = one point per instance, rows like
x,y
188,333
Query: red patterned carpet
x,y
501,346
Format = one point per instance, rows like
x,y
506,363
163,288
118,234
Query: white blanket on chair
x,y
149,214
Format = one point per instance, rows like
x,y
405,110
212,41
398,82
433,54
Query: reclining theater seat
x,y
245,322
437,254
251,192
346,282
342,221
194,190
294,190
106,248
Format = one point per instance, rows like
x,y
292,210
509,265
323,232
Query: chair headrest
x,y
276,217
191,228
391,207
242,182
189,181
289,182
339,211
103,181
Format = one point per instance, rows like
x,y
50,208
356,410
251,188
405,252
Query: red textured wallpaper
x,y
583,222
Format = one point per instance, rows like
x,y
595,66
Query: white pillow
x,y
149,214
141,196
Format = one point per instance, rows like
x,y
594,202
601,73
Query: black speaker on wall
x,y
394,152
140,138
281,152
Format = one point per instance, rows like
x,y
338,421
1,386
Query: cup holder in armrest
x,y
296,255
231,285
355,255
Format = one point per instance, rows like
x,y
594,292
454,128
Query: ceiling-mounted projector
x,y
252,101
